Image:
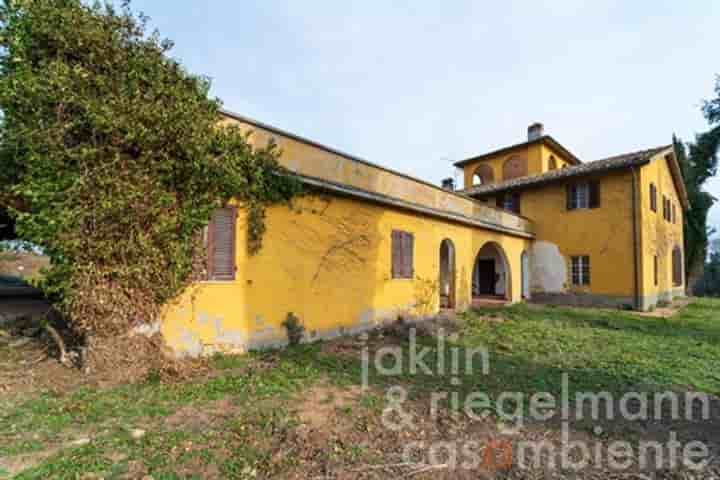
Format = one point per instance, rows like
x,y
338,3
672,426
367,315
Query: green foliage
x,y
294,328
698,164
112,159
710,285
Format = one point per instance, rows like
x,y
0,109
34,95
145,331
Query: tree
x,y
698,164
710,286
112,160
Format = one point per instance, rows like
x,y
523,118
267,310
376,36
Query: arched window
x,y
483,175
552,163
514,167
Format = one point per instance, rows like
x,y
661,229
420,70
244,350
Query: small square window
x,y
581,271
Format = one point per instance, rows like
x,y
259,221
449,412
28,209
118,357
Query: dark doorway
x,y
447,274
486,277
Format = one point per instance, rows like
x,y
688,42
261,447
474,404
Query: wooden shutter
x,y
500,201
409,251
677,267
653,197
569,196
655,265
516,202
396,254
594,188
402,254
221,244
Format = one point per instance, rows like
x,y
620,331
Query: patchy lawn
x,y
300,413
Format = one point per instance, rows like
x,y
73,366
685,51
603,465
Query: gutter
x,y
636,239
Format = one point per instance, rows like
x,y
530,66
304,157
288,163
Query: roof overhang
x,y
671,158
545,139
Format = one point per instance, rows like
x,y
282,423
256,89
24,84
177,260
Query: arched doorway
x,y
447,274
491,273
525,267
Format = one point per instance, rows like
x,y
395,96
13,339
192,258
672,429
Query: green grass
x,y
529,347
601,349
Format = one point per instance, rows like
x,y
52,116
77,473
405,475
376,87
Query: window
x,y
509,202
402,254
674,213
583,195
653,197
667,213
552,163
677,264
220,241
581,271
655,265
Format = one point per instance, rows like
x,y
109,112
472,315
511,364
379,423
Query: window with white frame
x,y
581,270
580,196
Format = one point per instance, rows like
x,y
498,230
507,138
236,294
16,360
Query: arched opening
x,y
552,163
483,175
447,274
491,273
525,267
514,167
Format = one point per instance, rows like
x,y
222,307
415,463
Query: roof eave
x,y
546,139
534,184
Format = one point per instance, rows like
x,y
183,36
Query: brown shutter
x,y
653,197
409,252
594,194
500,201
569,196
396,254
516,202
221,244
677,267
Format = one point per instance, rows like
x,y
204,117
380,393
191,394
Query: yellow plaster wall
x,y
604,233
659,236
328,260
560,160
495,162
537,156
311,161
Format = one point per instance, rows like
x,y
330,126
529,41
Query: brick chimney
x,y
535,131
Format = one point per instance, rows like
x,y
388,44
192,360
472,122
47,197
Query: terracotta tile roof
x,y
598,166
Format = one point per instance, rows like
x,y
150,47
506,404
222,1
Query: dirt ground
x,y
333,432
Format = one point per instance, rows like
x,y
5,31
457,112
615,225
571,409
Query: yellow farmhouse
x,y
368,244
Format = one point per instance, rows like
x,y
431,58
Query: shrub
x,y
112,160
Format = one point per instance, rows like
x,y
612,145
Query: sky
x,y
417,85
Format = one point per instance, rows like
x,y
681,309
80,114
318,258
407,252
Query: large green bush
x,y
111,159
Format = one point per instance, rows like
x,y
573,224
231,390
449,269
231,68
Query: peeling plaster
x,y
548,269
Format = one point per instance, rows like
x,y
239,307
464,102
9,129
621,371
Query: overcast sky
x,y
415,85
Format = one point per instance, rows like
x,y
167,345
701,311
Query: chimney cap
x,y
535,131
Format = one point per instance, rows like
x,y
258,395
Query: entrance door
x,y
486,277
